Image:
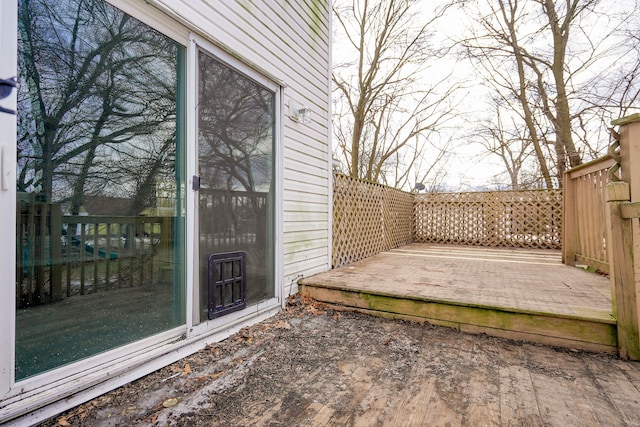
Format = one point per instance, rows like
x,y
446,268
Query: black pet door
x,y
227,283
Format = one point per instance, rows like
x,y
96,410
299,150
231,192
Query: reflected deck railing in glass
x,y
60,256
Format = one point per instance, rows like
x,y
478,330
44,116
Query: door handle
x,y
6,87
5,172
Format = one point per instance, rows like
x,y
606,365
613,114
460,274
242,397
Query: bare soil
x,y
310,365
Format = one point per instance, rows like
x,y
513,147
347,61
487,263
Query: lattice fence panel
x,y
523,219
368,219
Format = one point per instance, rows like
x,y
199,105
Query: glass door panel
x,y
236,134
99,237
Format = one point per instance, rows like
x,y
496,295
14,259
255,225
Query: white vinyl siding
x,y
281,40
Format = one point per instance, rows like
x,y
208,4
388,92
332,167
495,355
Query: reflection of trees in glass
x,y
235,129
97,105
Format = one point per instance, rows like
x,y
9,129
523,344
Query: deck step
x,y
574,332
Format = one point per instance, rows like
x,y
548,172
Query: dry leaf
x,y
314,311
281,324
62,421
216,376
186,370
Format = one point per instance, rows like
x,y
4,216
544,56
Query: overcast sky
x,y
468,167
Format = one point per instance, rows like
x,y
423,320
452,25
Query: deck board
x,y
521,294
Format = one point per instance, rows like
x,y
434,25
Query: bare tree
x,y
94,89
387,108
541,59
502,137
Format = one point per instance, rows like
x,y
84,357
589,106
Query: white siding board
x,y
302,206
307,168
294,159
301,236
305,39
318,200
286,35
310,153
292,256
319,218
303,189
303,227
303,268
306,268
304,246
296,32
307,148
300,248
314,131
221,25
307,154
311,203
307,141
311,132
298,27
301,176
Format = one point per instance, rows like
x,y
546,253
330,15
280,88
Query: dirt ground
x,y
310,365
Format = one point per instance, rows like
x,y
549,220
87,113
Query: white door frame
x,y
8,68
194,325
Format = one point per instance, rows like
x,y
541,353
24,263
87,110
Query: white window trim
x,y
233,62
8,68
103,363
154,18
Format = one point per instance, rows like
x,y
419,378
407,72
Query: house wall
x,y
288,41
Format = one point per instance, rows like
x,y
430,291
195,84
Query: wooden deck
x,y
520,294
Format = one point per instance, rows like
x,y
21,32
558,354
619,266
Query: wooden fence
x,y
60,256
585,224
521,219
368,218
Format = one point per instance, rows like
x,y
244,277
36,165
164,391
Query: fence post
x,y
624,238
569,221
56,252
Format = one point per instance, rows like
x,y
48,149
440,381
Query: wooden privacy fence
x,y
521,219
368,218
585,225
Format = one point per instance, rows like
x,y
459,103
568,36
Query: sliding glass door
x,y
100,148
236,140
100,177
